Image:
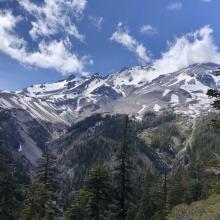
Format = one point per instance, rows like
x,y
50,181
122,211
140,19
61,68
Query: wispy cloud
x,y
123,37
54,16
96,21
207,1
52,55
148,30
175,6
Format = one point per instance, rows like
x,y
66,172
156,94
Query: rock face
x,y
51,107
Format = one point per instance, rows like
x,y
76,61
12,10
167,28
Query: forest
x,y
110,181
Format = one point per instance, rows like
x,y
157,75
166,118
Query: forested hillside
x,y
112,166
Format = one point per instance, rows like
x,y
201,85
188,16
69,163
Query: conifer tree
x,y
47,172
10,190
152,199
42,196
176,189
123,172
94,201
216,104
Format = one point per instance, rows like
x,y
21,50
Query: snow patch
x,y
174,99
166,92
142,110
156,108
20,148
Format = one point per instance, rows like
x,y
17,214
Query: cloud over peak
x,y
123,37
192,48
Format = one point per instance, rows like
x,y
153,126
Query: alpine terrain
x,y
67,132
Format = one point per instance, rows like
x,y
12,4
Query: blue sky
x,y
45,40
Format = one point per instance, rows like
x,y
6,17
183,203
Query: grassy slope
x,y
202,210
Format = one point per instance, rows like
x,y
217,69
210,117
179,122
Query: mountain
x,y
81,121
129,90
50,108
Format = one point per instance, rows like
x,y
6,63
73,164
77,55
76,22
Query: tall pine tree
x,y
123,173
152,198
94,201
10,189
42,197
216,104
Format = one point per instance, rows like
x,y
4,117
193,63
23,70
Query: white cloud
x,y
148,30
208,1
175,6
52,55
54,16
96,21
122,36
192,48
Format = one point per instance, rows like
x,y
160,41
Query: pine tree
x,y
196,173
123,172
47,171
98,185
216,104
42,197
176,189
152,199
164,210
94,201
10,190
79,209
36,203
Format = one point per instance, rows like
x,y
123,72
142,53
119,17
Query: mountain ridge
x,y
126,91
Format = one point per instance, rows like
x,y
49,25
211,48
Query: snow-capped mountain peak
x,y
130,90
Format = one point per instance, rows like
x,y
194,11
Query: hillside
x,y
205,209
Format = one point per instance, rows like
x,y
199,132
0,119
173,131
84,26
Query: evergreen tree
x,y
216,104
176,189
47,172
10,190
196,173
123,172
94,201
42,197
79,210
165,207
37,204
152,199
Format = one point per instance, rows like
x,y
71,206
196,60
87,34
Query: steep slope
x,y
25,136
38,108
